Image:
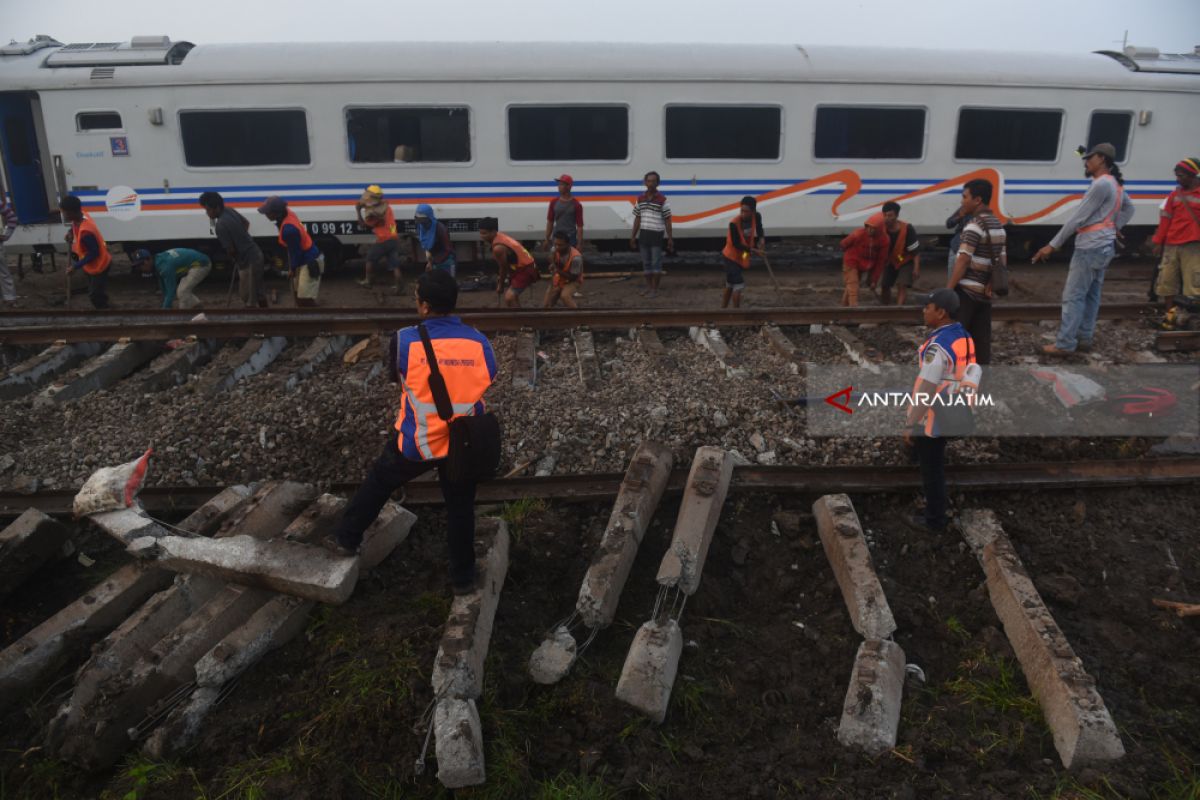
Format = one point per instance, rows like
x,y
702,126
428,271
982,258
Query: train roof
x,y
51,65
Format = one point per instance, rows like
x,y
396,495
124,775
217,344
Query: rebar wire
x,y
426,721
682,604
593,632
658,601
567,622
165,707
226,690
188,534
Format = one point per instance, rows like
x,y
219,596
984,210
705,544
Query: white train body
x,y
813,170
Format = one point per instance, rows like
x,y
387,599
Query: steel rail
x,y
310,324
806,479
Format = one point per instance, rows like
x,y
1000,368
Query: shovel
x,y
67,279
770,271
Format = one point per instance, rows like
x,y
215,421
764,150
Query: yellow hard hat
x,y
375,189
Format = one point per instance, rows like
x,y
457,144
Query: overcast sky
x,y
1042,25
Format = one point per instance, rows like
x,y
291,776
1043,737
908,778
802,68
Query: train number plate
x,y
334,228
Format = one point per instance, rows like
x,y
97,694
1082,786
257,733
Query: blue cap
x,y
139,256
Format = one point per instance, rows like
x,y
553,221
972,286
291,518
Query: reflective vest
x,y
290,218
899,254
740,253
386,231
523,257
562,272
954,340
88,225
1110,220
423,435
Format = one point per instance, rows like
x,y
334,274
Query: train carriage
x,y
821,135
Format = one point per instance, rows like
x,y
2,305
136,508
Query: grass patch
x,y
140,774
565,786
994,683
689,697
516,512
955,626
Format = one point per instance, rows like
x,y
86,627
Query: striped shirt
x,y
983,239
653,211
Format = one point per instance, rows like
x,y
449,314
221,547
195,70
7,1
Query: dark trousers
x,y
391,471
931,455
98,289
976,316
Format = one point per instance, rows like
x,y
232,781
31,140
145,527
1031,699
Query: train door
x,y
22,158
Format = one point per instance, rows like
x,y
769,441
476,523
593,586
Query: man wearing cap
x,y
565,214
1177,239
305,261
947,368
864,253
179,271
1104,210
375,213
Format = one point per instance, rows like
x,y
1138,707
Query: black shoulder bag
x,y
474,453
999,273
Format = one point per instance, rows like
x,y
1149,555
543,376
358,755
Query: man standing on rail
x,y
1104,210
305,261
864,253
566,273
8,221
565,214
983,244
89,252
171,265
434,238
651,223
903,264
743,237
421,439
947,368
1177,239
374,212
516,266
233,234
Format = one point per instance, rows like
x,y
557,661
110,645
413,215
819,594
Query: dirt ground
x,y
768,653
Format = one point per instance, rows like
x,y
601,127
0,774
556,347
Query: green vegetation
x,y
516,512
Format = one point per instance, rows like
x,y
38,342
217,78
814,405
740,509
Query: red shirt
x,y
865,253
1175,224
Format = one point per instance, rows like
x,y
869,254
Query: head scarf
x,y
426,231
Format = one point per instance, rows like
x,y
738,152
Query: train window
x,y
97,121
743,133
858,132
568,133
244,138
386,135
1008,134
1112,127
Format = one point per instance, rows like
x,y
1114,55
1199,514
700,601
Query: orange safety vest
x,y
386,230
899,256
1110,220
290,218
562,272
88,225
464,368
740,253
523,257
962,351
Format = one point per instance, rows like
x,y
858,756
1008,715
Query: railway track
x,y
35,328
815,480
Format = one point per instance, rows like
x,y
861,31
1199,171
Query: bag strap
x,y
437,384
1188,208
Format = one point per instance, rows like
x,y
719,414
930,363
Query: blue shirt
x,y
297,256
171,265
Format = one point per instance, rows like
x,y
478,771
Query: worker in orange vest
x,y
420,440
566,272
904,256
744,236
88,248
864,253
375,212
306,263
516,266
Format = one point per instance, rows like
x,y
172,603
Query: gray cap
x,y
1104,149
273,205
945,299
